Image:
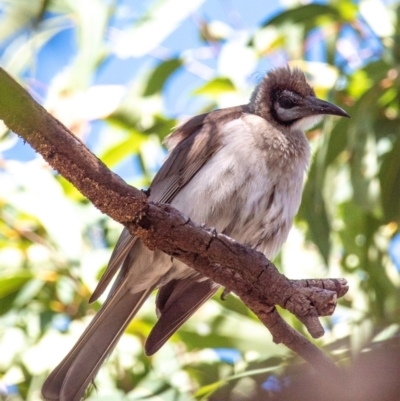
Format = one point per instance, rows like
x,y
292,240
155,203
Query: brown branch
x,y
242,270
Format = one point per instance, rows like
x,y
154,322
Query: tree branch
x,y
242,270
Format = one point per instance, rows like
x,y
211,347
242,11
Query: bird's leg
x,y
224,294
213,230
146,191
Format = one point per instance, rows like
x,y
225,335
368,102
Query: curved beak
x,y
314,106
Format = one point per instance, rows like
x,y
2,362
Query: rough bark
x,y
242,270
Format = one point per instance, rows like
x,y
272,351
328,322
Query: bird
x,y
239,170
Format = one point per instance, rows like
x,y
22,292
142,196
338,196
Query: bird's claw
x,y
225,294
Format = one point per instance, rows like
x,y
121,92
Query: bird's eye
x,y
286,102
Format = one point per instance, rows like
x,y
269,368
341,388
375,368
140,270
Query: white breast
x,y
251,188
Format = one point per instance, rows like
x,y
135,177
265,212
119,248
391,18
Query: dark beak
x,y
316,106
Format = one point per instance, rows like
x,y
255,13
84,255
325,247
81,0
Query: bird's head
x,y
285,98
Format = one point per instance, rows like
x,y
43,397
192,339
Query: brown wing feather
x,y
176,302
121,250
192,144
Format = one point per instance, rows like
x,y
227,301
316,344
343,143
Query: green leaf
x,y
10,286
13,283
313,210
204,392
348,10
160,75
22,56
363,150
162,126
216,87
389,178
125,148
92,18
16,15
301,14
337,141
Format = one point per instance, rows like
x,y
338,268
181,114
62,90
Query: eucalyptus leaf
x,y
389,178
215,87
127,147
299,15
313,210
160,75
10,286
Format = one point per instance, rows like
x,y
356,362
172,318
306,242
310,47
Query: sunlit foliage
x,y
118,82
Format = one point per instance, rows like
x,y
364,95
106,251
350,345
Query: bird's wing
x,y
176,302
191,145
120,252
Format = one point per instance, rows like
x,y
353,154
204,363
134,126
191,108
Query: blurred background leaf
x,y
121,75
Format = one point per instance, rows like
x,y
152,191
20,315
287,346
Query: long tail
x,y
69,380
